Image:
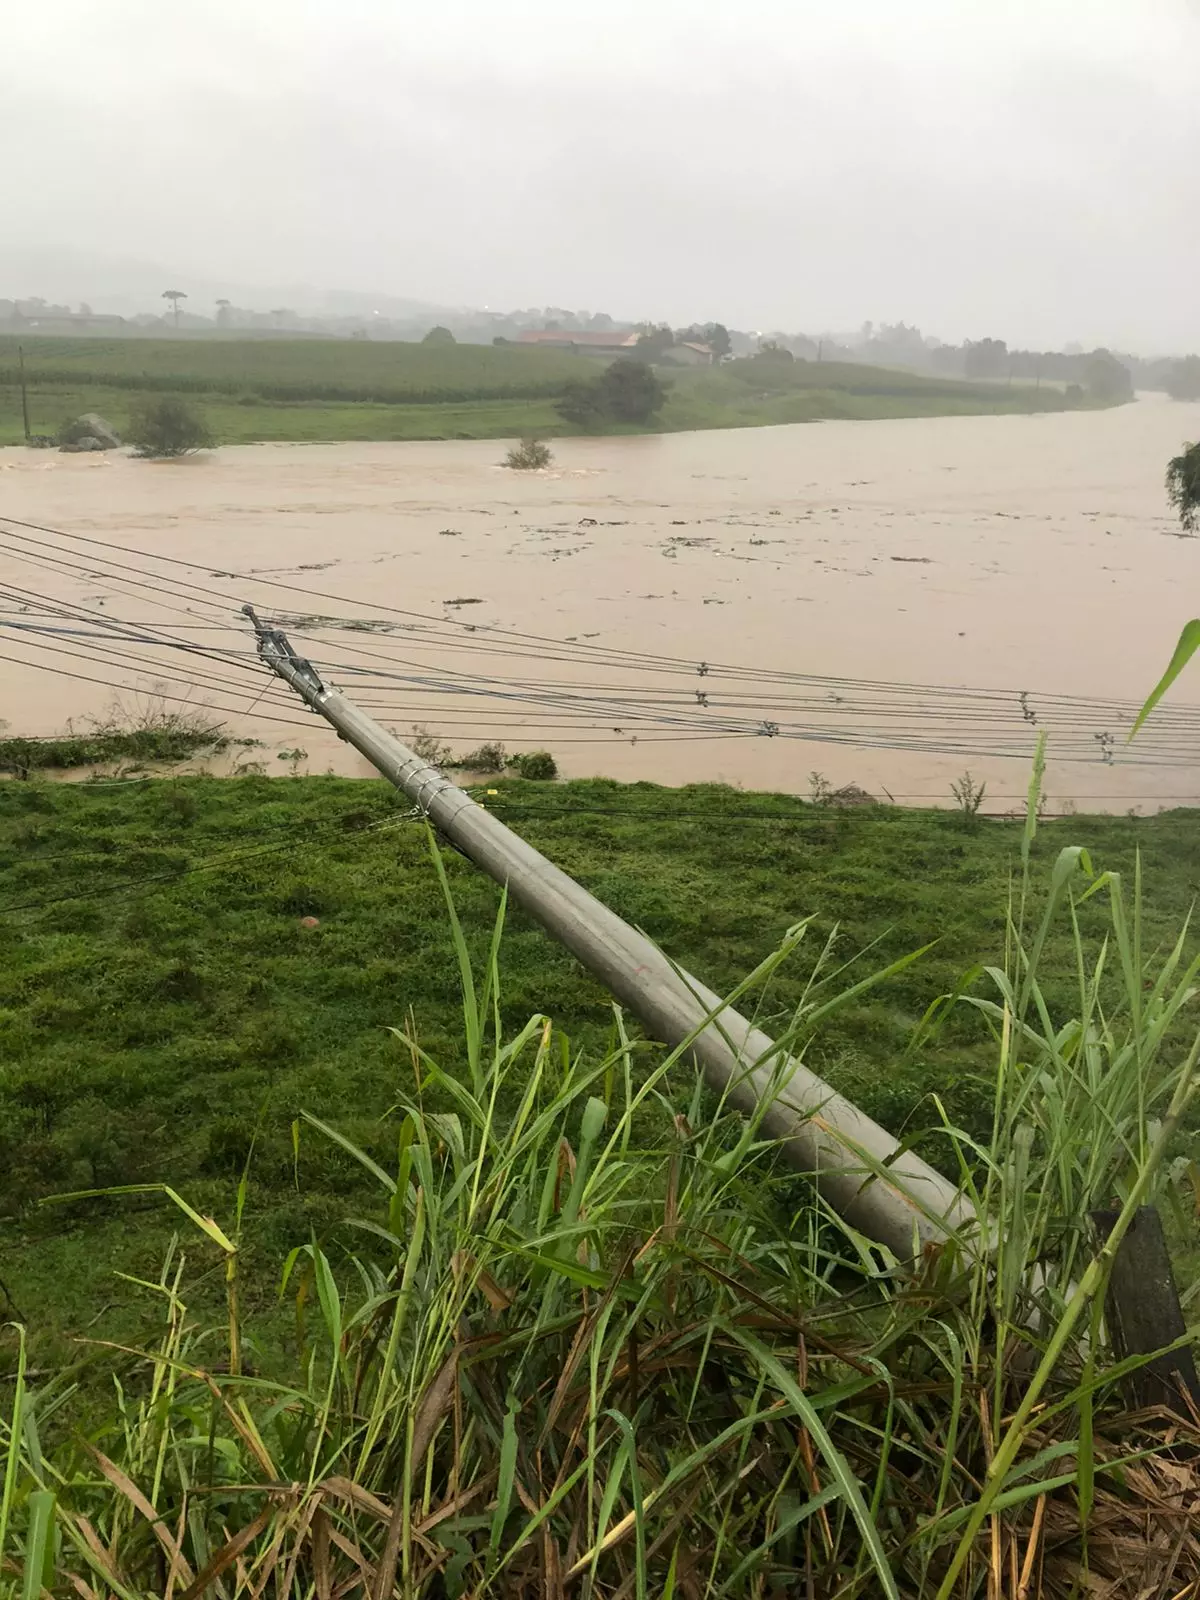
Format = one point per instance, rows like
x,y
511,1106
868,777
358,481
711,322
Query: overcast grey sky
x,y
1023,168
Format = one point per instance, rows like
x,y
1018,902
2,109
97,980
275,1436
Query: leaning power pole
x,y
887,1192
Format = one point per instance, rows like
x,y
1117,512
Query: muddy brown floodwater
x,y
886,603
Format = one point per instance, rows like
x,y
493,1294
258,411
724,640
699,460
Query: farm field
x,y
255,390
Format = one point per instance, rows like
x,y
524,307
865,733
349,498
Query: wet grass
x,y
163,1007
583,1332
289,370
312,390
755,393
253,421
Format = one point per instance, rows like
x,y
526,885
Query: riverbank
x,y
165,1008
258,390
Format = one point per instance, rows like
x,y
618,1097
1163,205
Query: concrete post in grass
x,y
1144,1314
885,1191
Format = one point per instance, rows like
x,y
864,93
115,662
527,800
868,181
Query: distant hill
x,y
128,286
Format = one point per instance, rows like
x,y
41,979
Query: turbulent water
x,y
888,604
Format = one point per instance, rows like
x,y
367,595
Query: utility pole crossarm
x,y
884,1190
275,648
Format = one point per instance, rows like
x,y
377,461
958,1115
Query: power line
x,y
160,694
538,641
579,705
961,722
142,579
104,651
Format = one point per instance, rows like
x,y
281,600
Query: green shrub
x,y
166,427
529,456
1183,487
488,758
539,764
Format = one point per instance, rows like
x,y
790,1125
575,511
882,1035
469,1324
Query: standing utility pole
x,y
821,1133
24,395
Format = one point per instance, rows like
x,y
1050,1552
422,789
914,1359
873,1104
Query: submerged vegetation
x,y
571,1326
165,426
531,455
151,735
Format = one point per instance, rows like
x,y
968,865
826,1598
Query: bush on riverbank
x,y
154,735
626,392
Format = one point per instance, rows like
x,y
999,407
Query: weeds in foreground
x,y
596,1338
969,794
427,746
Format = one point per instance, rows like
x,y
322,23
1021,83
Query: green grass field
x,y
317,389
385,372
162,1008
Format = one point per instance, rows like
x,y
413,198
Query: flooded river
x,y
889,604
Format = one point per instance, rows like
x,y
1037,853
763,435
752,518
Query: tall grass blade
x,y
847,1484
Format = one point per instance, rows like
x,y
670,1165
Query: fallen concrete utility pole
x,y
821,1133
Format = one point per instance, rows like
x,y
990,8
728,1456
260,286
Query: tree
x,y
654,340
1183,379
772,350
718,340
174,296
1107,380
439,335
630,392
1183,491
166,427
1183,487
579,403
224,316
714,334
986,358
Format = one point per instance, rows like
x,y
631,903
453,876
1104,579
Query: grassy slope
x,y
299,369
351,389
145,1032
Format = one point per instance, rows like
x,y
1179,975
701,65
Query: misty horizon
x,y
307,303
1024,173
